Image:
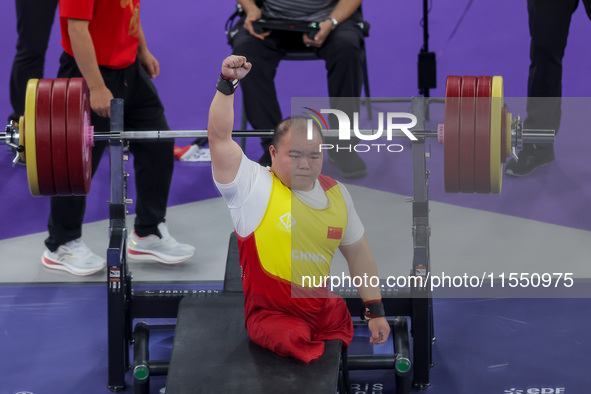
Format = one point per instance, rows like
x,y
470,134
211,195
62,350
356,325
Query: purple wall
x,y
188,39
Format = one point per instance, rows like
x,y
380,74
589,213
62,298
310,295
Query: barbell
x,y
54,138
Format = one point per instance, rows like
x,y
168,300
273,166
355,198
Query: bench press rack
x,y
124,304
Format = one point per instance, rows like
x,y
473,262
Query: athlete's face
x,y
297,161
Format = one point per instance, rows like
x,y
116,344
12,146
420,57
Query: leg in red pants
x,y
292,336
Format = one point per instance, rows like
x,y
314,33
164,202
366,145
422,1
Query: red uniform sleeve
x,y
77,9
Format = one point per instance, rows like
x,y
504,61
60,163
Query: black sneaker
x,y
13,117
529,160
350,165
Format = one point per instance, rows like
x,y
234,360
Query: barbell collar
x,y
10,136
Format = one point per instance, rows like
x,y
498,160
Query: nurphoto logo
x,y
345,127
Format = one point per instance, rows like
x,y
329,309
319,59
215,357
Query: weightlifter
x,y
103,42
280,214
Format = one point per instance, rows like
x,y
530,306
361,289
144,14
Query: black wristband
x,y
374,309
226,85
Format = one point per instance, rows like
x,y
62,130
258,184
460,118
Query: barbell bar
x,y
55,137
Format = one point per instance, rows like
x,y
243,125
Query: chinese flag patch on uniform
x,y
334,232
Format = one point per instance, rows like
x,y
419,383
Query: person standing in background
x,y
34,19
549,23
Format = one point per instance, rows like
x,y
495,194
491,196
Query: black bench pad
x,y
212,353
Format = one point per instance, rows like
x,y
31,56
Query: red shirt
x,y
114,28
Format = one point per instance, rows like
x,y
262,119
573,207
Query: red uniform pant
x,y
298,337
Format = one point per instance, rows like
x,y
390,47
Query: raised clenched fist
x,y
235,67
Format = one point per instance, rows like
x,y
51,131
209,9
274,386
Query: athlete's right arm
x,y
225,152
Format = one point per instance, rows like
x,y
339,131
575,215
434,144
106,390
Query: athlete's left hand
x,y
380,330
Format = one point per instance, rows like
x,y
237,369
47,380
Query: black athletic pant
x,y
342,52
34,19
549,22
153,160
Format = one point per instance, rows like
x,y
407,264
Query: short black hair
x,y
286,124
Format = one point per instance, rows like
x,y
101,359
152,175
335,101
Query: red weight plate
x,y
504,134
467,121
451,145
43,137
59,150
482,135
77,124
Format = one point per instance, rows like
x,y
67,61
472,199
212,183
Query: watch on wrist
x,y
334,22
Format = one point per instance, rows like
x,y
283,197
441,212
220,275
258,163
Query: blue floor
x,y
54,340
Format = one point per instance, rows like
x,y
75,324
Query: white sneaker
x,y
196,153
74,257
153,248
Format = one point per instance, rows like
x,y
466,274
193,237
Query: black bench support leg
x,y
141,370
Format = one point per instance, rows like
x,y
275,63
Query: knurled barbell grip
x,y
155,134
